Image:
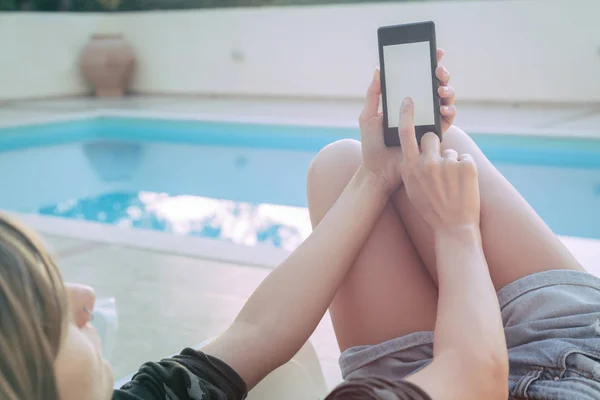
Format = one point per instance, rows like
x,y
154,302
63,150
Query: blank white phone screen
x,y
408,74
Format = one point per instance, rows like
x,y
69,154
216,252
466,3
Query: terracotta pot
x,y
107,62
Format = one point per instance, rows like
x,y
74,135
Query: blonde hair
x,y
33,314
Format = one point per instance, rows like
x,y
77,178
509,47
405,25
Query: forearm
x,y
285,309
470,357
468,319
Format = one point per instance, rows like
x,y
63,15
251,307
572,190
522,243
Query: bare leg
x,y
388,292
516,241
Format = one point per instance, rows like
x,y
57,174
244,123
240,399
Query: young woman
x,y
406,241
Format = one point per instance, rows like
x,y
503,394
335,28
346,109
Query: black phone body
x,y
407,60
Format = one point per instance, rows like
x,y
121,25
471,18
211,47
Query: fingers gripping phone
x,y
407,60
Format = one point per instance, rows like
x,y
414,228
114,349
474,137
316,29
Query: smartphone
x,y
407,61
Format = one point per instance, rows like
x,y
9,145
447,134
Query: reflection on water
x,y
113,160
238,222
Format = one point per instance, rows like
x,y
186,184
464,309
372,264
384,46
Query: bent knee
x,y
335,163
457,139
329,173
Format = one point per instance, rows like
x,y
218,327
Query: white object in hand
x,y
106,322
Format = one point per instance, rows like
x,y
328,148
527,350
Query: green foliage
x,y
146,5
86,5
140,5
8,5
45,5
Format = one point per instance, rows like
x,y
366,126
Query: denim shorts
x,y
552,326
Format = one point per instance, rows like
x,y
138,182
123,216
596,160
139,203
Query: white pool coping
x,y
339,122
165,115
260,255
586,250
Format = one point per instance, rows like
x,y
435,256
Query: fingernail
x,y
445,109
445,89
406,102
376,74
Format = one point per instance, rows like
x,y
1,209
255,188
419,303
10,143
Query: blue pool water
x,y
241,182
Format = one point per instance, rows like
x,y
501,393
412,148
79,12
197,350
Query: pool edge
x,y
585,250
271,120
262,256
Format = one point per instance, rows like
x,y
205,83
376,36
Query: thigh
x,y
388,292
516,241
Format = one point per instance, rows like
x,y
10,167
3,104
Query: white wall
x,y
39,53
522,50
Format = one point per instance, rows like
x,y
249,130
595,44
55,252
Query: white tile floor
x,y
166,301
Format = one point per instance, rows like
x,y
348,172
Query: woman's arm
x,y
470,356
285,309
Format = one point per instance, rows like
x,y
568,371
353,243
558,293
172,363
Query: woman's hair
x,y
33,314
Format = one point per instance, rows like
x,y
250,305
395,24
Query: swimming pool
x,y
240,182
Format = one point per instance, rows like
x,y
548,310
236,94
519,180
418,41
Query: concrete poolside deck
x,y
169,301
569,120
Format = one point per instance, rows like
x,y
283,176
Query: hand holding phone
x,y
408,60
377,157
